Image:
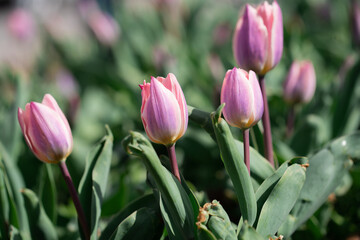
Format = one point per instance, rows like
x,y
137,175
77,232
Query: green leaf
x,y
267,186
174,203
15,184
93,182
326,170
142,224
235,166
40,224
144,201
281,200
47,192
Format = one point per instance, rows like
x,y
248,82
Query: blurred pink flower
x,y
20,24
104,27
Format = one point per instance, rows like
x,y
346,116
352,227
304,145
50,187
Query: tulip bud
x,y
300,84
164,110
258,38
46,130
243,100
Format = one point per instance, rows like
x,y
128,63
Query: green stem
x,y
246,148
174,165
75,198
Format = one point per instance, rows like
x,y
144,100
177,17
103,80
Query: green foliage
x,y
40,224
124,198
93,183
235,166
174,203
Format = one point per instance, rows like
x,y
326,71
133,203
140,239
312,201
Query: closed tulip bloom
x,y
46,130
258,38
300,84
164,110
241,94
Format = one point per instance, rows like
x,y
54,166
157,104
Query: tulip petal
x,y
161,114
258,99
276,36
171,83
49,101
250,41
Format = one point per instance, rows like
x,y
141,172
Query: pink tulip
x,y
300,84
241,94
258,38
46,130
164,110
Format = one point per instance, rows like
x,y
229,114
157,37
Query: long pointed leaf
x,y
93,182
235,166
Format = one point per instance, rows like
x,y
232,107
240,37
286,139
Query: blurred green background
x,y
91,56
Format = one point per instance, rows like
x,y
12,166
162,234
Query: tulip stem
x,y
246,148
174,165
75,198
266,123
290,121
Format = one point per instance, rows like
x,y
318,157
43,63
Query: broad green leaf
x,y
40,224
142,224
281,200
235,166
93,182
326,170
147,201
267,186
16,183
174,203
47,192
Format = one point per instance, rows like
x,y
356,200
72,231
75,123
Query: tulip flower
x,y
164,113
48,134
299,87
258,45
244,104
46,130
258,38
300,84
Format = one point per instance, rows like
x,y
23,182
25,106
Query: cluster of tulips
x,y
257,46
